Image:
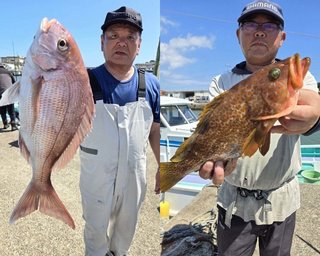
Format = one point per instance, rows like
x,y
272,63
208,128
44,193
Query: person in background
x,y
113,156
259,199
6,80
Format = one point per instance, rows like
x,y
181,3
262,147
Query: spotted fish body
x,y
237,123
56,111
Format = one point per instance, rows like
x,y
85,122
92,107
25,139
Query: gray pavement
x,y
38,234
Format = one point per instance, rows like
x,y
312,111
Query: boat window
x,y
187,112
173,116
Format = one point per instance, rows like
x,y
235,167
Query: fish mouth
x,y
298,69
46,24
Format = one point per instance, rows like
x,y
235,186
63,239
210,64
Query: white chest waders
x,y
113,175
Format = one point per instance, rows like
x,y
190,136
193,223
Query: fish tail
x,y
168,175
46,201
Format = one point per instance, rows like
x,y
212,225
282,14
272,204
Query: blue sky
x,y
199,39
20,20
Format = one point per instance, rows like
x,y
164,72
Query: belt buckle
x,y
242,192
258,194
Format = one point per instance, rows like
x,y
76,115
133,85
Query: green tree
x,y
156,70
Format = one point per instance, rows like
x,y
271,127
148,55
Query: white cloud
x,y
164,23
174,53
173,57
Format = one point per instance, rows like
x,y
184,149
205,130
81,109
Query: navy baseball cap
x,y
262,6
123,15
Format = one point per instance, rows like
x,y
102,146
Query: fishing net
x,y
199,237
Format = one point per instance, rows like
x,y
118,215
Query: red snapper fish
x,y
56,111
237,123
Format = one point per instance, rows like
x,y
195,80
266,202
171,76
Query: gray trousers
x,y
241,238
10,110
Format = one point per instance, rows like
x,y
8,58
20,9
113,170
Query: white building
x,y
201,96
14,64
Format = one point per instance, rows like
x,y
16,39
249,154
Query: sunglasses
x,y
251,26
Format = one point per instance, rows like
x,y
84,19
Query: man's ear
x,y
237,33
102,41
138,49
283,37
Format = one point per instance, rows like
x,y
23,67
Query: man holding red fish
x,y
259,198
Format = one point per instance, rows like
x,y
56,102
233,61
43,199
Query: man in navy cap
x,y
113,156
259,199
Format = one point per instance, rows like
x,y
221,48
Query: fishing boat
x,y
177,123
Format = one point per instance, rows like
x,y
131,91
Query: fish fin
x,y
51,205
47,202
250,146
183,150
24,149
35,99
263,134
264,148
259,138
168,176
83,129
11,95
27,204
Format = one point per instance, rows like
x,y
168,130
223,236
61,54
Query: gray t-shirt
x,y
274,173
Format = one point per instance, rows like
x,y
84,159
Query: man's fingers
x,y
218,174
206,170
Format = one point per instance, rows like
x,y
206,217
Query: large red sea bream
x,y
56,111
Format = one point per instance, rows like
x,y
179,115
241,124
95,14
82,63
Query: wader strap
x,y
141,83
95,87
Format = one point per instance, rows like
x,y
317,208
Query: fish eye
x,y
62,44
274,73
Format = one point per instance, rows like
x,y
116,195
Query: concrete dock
x,y
38,234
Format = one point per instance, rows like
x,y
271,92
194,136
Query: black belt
x,y
257,194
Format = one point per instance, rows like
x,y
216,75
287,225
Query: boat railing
x,y
310,153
